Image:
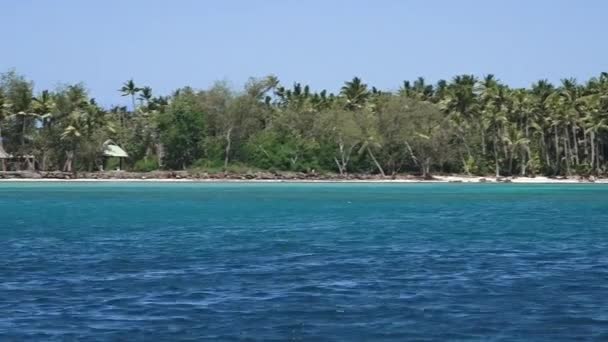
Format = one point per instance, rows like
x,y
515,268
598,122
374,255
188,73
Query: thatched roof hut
x,y
110,149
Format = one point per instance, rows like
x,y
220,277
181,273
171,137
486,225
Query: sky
x,y
170,44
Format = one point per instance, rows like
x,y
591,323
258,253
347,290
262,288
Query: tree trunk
x,y
341,165
293,161
466,145
528,154
346,159
508,153
227,150
575,144
557,161
2,161
483,142
592,138
426,168
160,153
369,151
511,156
545,150
523,162
598,152
424,165
43,160
496,163
567,150
67,166
465,166
134,105
495,145
23,123
30,163
585,147
340,169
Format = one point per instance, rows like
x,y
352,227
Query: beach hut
x,y
112,150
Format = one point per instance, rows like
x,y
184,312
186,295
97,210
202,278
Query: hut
x,y
112,150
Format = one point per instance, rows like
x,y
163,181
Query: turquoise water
x,y
347,262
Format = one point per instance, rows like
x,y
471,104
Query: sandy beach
x,y
130,177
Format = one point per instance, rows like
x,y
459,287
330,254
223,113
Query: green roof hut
x,y
112,150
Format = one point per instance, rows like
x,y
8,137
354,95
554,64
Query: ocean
x,y
310,262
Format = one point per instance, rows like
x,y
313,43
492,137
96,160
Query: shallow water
x,y
345,262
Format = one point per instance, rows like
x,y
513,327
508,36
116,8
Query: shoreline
x,y
184,177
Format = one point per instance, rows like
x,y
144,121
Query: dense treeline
x,y
467,125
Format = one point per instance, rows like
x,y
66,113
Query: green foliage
x,y
270,150
145,165
584,170
468,124
470,166
182,127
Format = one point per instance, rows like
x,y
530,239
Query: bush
x,y
145,165
584,170
269,150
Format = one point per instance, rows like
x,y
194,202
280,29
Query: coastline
x,y
262,177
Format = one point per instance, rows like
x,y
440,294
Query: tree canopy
x,y
465,125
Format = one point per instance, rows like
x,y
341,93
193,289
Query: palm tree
x,y
370,143
564,121
524,111
518,146
422,91
86,126
495,118
595,121
145,95
488,89
295,98
25,118
43,106
370,139
5,108
559,123
130,89
461,97
440,91
72,134
356,93
594,125
406,89
540,118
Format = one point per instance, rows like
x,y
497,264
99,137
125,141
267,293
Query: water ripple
x,y
280,262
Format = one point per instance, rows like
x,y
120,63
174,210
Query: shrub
x,y
145,165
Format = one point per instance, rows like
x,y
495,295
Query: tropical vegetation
x,y
467,125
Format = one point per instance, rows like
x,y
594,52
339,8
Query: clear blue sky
x,y
168,44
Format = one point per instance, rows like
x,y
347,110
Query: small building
x,y
112,150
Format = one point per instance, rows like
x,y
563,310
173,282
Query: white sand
x,y
437,179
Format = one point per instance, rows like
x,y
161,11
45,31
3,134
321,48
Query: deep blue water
x,y
347,262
